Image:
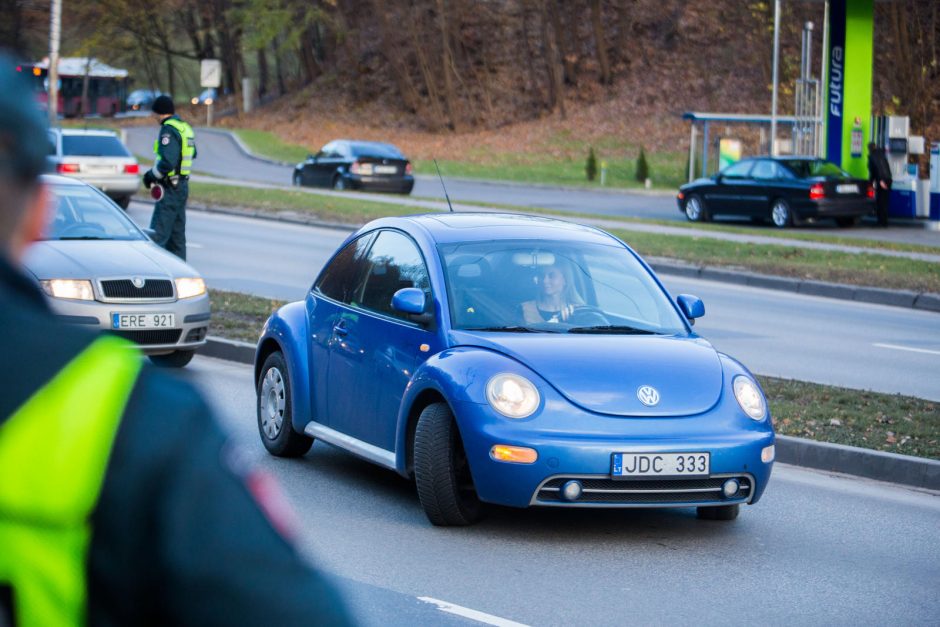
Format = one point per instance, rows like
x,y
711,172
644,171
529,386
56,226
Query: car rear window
x,y
383,151
93,146
806,168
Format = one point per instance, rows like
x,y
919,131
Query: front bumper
x,y
575,445
189,333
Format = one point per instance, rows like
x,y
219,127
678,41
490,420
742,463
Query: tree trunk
x,y
278,67
570,75
437,113
600,41
406,88
84,104
450,98
262,73
556,97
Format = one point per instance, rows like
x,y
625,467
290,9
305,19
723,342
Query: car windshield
x,y
83,213
382,151
810,168
93,146
554,287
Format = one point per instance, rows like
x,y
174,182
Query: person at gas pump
x,y
168,180
879,173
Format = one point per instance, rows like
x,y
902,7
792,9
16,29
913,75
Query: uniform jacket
x,y
177,537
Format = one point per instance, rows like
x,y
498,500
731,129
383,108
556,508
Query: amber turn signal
x,y
515,454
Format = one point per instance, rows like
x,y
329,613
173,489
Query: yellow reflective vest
x,y
188,147
53,455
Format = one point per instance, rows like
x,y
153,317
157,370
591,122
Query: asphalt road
x,y
856,345
817,549
220,156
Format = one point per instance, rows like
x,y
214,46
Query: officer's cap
x,y
24,142
163,105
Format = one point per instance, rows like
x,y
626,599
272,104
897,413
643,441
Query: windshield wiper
x,y
507,329
86,237
613,328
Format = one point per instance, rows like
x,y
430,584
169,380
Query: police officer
x,y
174,151
121,500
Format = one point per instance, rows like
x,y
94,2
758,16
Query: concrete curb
x,y
903,469
926,301
891,467
244,148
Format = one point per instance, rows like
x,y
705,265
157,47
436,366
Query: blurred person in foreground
x,y
121,500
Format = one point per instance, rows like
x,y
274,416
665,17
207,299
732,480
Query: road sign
x,y
210,73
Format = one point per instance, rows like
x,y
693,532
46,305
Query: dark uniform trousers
x,y
169,218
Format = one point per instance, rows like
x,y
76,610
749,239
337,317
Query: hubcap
x,y
692,209
272,403
780,214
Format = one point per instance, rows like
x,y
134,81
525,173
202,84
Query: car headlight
x,y
512,396
74,289
749,397
189,287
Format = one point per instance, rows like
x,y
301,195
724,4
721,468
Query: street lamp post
x,y
773,104
55,34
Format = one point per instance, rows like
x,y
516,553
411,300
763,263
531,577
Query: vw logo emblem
x,y
648,395
138,282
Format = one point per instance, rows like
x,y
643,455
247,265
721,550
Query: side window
x,y
737,171
342,279
764,171
394,262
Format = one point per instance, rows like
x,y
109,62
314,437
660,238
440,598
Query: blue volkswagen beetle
x,y
512,360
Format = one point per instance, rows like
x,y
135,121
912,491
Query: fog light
x,y
515,454
571,490
767,455
730,487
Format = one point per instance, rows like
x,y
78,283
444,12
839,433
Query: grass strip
x,y
863,269
884,422
267,144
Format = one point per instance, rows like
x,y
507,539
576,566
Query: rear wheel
x,y
723,512
176,359
781,214
695,210
275,411
339,183
124,202
442,474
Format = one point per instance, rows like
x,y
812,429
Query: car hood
x,y
91,259
603,373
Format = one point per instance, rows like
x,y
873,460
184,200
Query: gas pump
x,y
909,198
934,209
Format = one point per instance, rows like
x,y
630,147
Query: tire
x,y
274,411
124,202
723,512
339,183
695,209
177,359
846,222
445,487
296,180
781,215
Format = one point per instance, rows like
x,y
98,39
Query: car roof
x,y
84,131
55,179
447,228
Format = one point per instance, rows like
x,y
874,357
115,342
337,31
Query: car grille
x,y
124,289
607,491
153,336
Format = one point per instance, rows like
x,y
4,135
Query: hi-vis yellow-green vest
x,y
188,148
53,455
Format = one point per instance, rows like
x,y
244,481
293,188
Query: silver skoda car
x,y
99,269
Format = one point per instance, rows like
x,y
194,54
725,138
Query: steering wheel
x,y
587,316
83,230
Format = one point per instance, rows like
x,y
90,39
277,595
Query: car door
x,y
730,187
331,300
376,349
758,190
319,170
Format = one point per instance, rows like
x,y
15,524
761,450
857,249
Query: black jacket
x,y
177,537
878,168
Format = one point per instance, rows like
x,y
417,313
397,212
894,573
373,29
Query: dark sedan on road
x,y
347,164
785,190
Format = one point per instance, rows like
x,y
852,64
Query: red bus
x,y
107,86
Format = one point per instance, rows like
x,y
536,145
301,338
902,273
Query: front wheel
x,y
781,214
274,411
177,359
442,474
695,210
296,180
723,512
339,183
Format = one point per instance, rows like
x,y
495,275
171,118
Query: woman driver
x,y
557,297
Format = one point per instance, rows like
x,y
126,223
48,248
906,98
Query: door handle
x,y
340,328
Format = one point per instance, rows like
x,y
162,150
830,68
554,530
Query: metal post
x,y
823,82
705,149
773,104
692,153
55,34
209,114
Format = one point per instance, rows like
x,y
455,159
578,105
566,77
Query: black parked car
x,y
785,190
346,164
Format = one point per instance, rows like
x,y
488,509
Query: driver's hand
x,y
566,312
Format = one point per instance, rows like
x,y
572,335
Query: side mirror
x,y
691,306
149,232
717,177
409,300
312,158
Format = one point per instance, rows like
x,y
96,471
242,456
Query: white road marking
x,y
907,348
466,612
